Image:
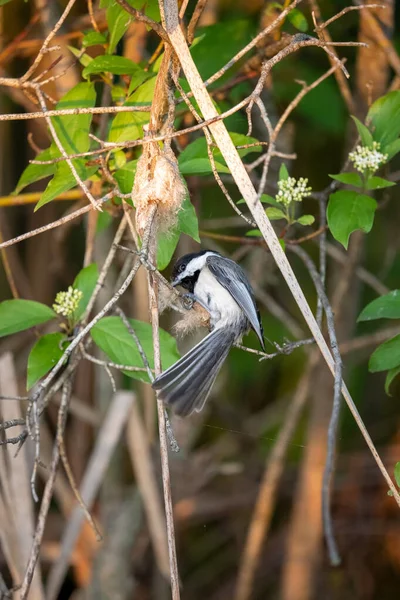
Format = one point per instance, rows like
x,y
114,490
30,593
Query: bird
x,y
222,288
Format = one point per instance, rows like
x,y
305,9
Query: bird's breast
x,y
219,302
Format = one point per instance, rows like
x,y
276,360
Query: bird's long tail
x,y
187,384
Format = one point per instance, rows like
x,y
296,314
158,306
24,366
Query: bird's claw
x,y
188,301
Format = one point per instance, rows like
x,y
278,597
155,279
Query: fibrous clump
x,y
192,320
157,183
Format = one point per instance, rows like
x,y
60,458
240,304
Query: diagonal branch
x,y
249,193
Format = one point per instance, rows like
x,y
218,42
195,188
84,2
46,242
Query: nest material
x,y
157,182
192,321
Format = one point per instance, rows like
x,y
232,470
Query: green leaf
x,y
254,233
201,166
391,375
385,307
44,355
118,159
397,473
73,133
118,21
126,127
298,20
34,173
118,65
111,336
64,180
283,172
349,211
104,220
384,115
126,176
139,77
187,220
73,130
364,132
392,149
265,199
275,213
377,183
348,178
84,58
167,242
3,2
85,281
386,356
18,315
153,10
118,94
93,38
306,220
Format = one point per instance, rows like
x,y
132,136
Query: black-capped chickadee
x,y
222,288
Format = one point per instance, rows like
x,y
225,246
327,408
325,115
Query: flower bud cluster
x,y
66,303
368,158
292,190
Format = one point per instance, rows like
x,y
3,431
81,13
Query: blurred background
x,y
256,454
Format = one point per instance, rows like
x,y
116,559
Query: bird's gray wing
x,y
232,277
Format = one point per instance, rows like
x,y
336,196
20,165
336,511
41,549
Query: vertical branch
x,y
153,305
44,508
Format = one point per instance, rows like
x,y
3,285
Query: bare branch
x,y
96,110
44,509
45,46
53,224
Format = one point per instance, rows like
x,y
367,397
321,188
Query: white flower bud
x,y
292,190
368,158
66,303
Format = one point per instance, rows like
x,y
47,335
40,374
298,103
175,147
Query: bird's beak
x,y
175,282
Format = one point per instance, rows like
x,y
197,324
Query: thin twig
x,y
334,420
345,11
61,421
105,363
52,225
44,509
45,46
191,28
96,110
108,146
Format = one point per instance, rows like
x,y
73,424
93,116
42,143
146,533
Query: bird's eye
x,y
181,268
